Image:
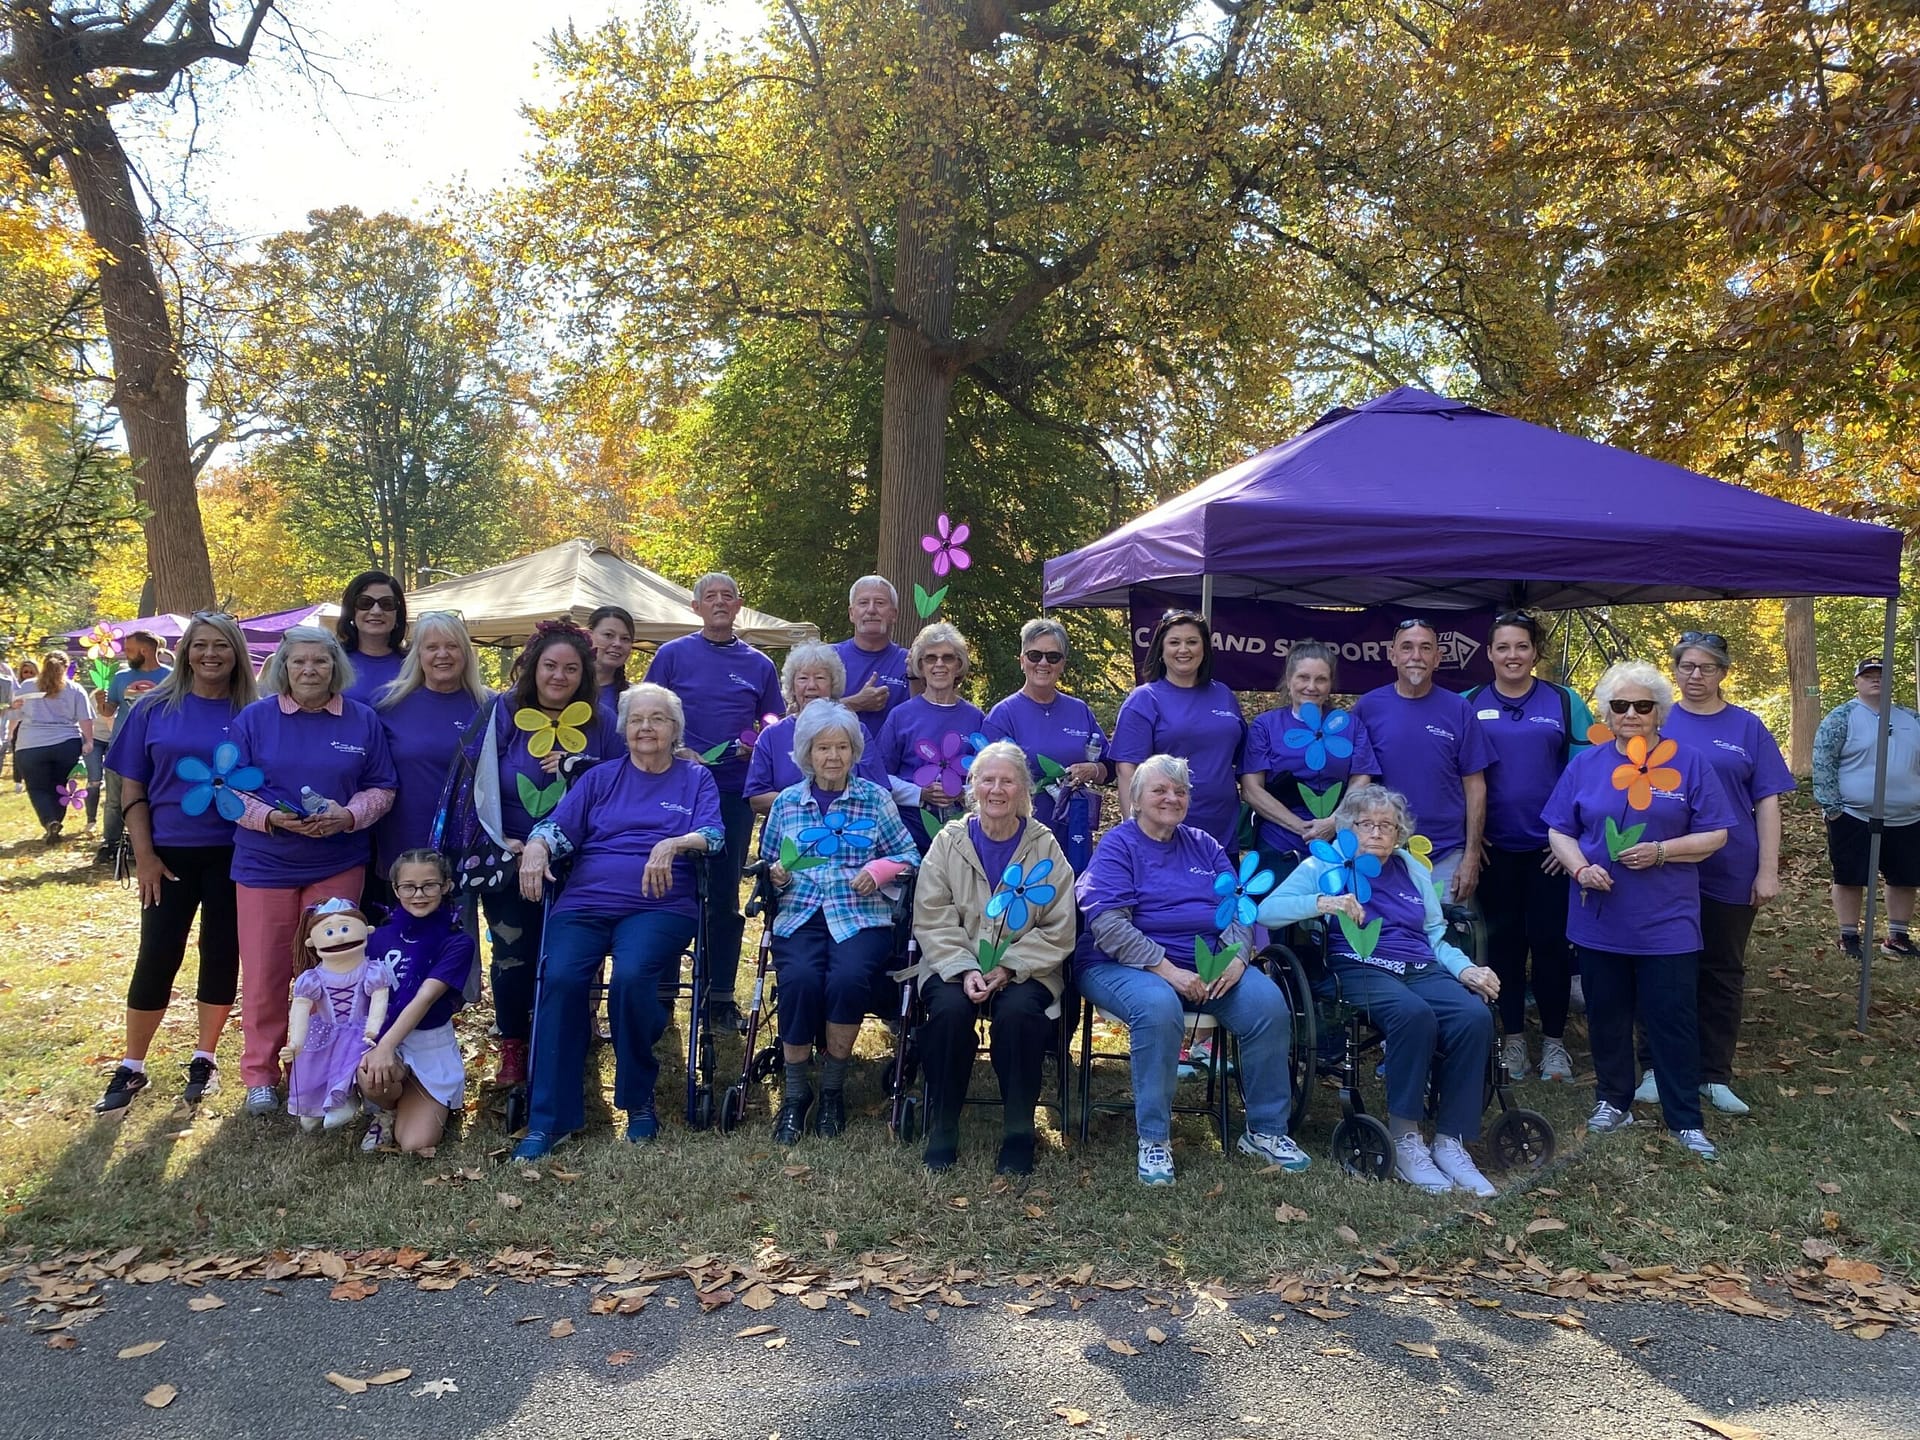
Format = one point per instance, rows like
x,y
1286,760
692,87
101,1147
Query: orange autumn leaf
x,y
1644,773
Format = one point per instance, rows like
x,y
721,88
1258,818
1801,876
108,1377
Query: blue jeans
x,y
725,923
1662,992
1434,1026
646,946
1254,1012
824,981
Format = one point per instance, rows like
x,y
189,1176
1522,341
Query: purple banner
x,y
1251,639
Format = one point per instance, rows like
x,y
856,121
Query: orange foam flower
x,y
1599,734
1644,773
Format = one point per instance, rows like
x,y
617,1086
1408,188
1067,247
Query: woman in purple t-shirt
x,y
373,631
1182,710
1630,823
1302,758
1065,747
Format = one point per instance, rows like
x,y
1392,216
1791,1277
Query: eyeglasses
x,y
1639,707
1377,827
941,659
407,888
1046,657
1698,667
1704,637
1416,624
1512,617
210,615
376,602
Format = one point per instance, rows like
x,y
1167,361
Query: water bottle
x,y
311,803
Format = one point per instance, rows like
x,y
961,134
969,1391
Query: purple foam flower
x,y
943,764
944,546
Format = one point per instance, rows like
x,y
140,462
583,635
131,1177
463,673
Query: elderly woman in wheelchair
x,y
1388,956
1163,903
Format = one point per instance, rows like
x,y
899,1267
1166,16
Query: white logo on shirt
x,y
677,809
1447,735
347,749
1739,750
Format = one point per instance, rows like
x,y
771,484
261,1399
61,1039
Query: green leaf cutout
x,y
926,604
792,861
930,822
538,801
1322,803
1051,769
101,671
709,756
1210,963
1619,841
1363,938
990,954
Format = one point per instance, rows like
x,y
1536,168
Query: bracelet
x,y
1659,852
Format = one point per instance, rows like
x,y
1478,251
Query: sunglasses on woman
x,y
1045,657
1639,707
376,602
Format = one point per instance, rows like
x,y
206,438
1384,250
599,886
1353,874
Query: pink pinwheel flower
x,y
942,765
72,794
750,736
103,641
944,547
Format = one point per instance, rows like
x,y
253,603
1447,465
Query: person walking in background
x,y
23,682
146,670
54,733
1843,760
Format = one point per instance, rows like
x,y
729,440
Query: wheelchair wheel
x,y
1362,1147
1521,1138
733,1109
517,1109
908,1128
1303,1058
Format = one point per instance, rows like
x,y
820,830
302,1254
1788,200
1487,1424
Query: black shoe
x,y
725,1016
1900,947
202,1076
1850,944
791,1123
126,1084
1016,1155
943,1148
832,1119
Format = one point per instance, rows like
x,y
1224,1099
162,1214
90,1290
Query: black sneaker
x,y
1850,944
725,1016
832,1119
126,1083
1900,947
202,1075
791,1123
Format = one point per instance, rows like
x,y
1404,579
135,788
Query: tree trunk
x,y
150,389
916,389
1803,685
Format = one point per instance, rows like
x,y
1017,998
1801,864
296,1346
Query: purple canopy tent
x,y
1424,503
263,632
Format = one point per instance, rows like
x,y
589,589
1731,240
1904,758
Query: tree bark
x,y
1803,685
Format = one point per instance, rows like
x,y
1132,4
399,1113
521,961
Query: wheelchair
x,y
1362,1146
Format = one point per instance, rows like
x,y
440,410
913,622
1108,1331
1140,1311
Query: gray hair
x,y
1003,752
1034,629
648,691
816,720
1369,800
938,633
853,590
713,577
273,679
1171,766
1302,651
1638,673
241,691
1715,648
805,657
412,677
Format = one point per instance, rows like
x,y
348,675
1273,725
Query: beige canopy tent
x,y
501,605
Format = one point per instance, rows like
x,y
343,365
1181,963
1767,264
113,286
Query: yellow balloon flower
x,y
1421,848
565,729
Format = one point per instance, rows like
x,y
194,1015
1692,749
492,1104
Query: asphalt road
x,y
482,1367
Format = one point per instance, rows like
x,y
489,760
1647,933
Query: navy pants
x,y
725,923
824,981
1526,911
646,947
44,768
1435,1027
1660,991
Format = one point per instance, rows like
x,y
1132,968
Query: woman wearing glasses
x,y
925,740
373,631
1533,728
1182,710
1065,747
1745,873
1630,823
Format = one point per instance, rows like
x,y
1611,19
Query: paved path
x,y
256,1367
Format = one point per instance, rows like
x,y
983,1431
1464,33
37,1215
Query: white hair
x,y
1366,800
1003,752
413,677
274,679
815,721
648,691
805,657
1640,674
853,591
1171,766
713,577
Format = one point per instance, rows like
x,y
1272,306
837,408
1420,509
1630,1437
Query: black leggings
x,y
44,768
1526,909
203,882
949,1042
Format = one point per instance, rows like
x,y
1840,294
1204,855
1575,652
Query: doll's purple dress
x,y
323,1071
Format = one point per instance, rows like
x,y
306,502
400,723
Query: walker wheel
x,y
703,1109
517,1109
733,1108
908,1128
1362,1147
1521,1138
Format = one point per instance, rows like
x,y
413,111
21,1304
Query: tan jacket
x,y
950,910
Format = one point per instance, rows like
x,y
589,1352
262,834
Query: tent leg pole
x,y
1877,816
1206,598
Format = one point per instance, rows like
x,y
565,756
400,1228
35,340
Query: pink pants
x,y
268,919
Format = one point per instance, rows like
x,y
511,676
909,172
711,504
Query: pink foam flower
x,y
944,546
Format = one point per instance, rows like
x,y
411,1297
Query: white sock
x,y
139,1067
206,1055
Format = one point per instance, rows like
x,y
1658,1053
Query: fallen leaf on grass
x,y
1219,1189
1826,1187
1419,1347
560,1328
1156,1335
1543,1225
1121,1347
1727,1429
1818,1249
1856,1271
507,1202
620,1357
1074,1417
959,1202
796,1172
205,1302
159,1397
346,1383
134,1352
1289,1214
1347,1233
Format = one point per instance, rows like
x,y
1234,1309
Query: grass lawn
x,y
1828,1156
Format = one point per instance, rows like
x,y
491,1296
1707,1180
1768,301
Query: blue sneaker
x,y
1156,1163
642,1124
534,1145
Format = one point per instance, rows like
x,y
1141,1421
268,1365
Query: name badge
x,y
1487,715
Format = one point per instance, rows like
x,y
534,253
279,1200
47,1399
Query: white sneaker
x,y
1275,1150
1451,1159
1723,1099
377,1131
1649,1091
1606,1118
1156,1163
1555,1062
1513,1055
1698,1143
1413,1163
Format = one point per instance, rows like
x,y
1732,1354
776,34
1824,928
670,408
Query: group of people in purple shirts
x,y
1635,858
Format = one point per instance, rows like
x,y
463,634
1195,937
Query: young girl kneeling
x,y
413,1074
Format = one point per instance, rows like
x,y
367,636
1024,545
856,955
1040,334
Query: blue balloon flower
x,y
1319,734
836,833
1018,892
1241,893
1348,870
215,783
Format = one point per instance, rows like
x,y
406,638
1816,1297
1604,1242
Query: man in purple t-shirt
x,y
1431,750
726,687
876,667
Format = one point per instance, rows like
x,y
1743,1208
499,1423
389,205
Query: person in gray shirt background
x,y
1843,753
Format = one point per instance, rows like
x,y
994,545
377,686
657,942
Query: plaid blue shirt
x,y
861,826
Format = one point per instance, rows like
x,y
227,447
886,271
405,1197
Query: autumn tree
x,y
365,361
66,67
